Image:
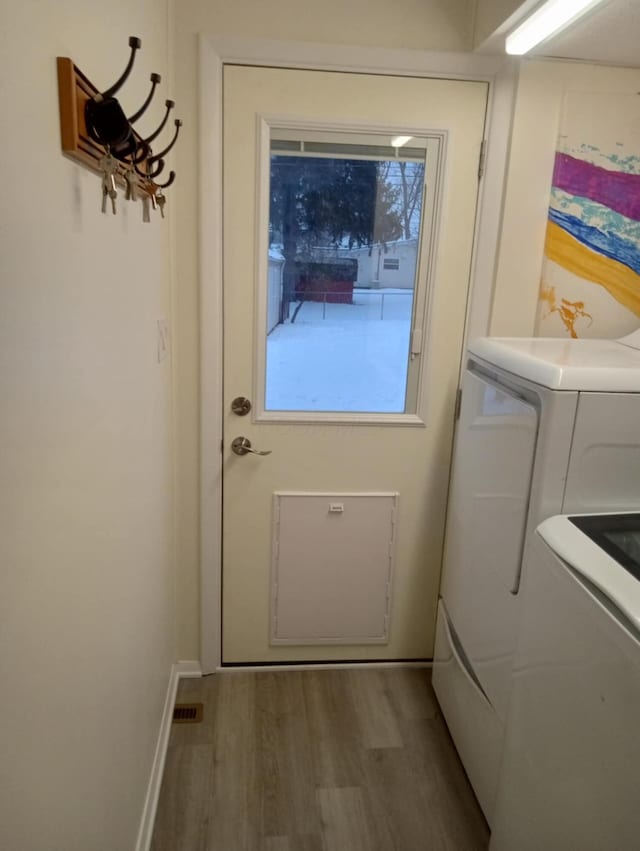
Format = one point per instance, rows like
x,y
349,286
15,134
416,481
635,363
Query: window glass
x,y
344,231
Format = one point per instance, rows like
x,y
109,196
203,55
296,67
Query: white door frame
x,y
500,73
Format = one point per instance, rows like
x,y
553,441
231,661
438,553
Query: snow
x,y
353,359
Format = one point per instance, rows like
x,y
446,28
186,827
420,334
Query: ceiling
x,y
610,33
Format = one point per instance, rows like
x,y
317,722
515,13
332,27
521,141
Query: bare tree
x,y
411,184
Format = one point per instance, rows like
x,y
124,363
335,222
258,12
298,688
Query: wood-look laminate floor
x,y
348,760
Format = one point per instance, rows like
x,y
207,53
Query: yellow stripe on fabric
x,y
619,280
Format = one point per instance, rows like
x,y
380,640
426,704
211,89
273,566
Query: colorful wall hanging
x,y
590,283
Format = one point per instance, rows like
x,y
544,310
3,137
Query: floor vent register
x,y
187,713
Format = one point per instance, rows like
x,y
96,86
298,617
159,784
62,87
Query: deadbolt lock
x,y
241,406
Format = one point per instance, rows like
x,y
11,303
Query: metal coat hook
x,y
104,117
155,79
172,177
169,104
163,153
148,173
135,44
154,172
145,151
134,149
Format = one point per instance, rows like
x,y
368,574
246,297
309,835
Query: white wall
x,y
493,17
86,595
417,24
541,89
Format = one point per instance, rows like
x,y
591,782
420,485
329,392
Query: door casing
x,y
501,76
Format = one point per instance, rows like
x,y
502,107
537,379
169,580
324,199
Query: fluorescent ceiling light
x,y
549,19
399,141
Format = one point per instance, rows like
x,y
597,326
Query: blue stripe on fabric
x,y
608,244
596,215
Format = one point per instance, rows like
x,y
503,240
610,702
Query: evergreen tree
x,y
328,202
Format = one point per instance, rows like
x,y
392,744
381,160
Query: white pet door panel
x,y
332,568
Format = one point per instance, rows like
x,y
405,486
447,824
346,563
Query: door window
x,y
345,218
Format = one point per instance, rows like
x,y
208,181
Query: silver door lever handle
x,y
242,446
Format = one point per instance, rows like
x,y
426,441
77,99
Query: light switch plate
x,y
163,340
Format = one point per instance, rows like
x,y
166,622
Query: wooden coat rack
x,y
84,144
74,90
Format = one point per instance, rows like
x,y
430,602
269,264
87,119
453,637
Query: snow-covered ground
x,y
342,357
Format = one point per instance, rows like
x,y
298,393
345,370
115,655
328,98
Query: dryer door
x,y
486,524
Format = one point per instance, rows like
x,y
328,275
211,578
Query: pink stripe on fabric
x,y
613,189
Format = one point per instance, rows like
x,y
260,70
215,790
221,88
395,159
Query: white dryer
x,y
547,426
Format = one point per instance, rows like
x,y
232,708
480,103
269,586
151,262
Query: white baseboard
x,y
188,669
322,666
178,671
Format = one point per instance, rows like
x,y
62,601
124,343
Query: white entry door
x,y
349,210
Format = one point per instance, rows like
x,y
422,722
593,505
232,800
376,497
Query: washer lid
x,y
596,365
632,340
605,549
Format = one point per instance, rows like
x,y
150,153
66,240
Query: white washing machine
x,y
570,770
547,426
